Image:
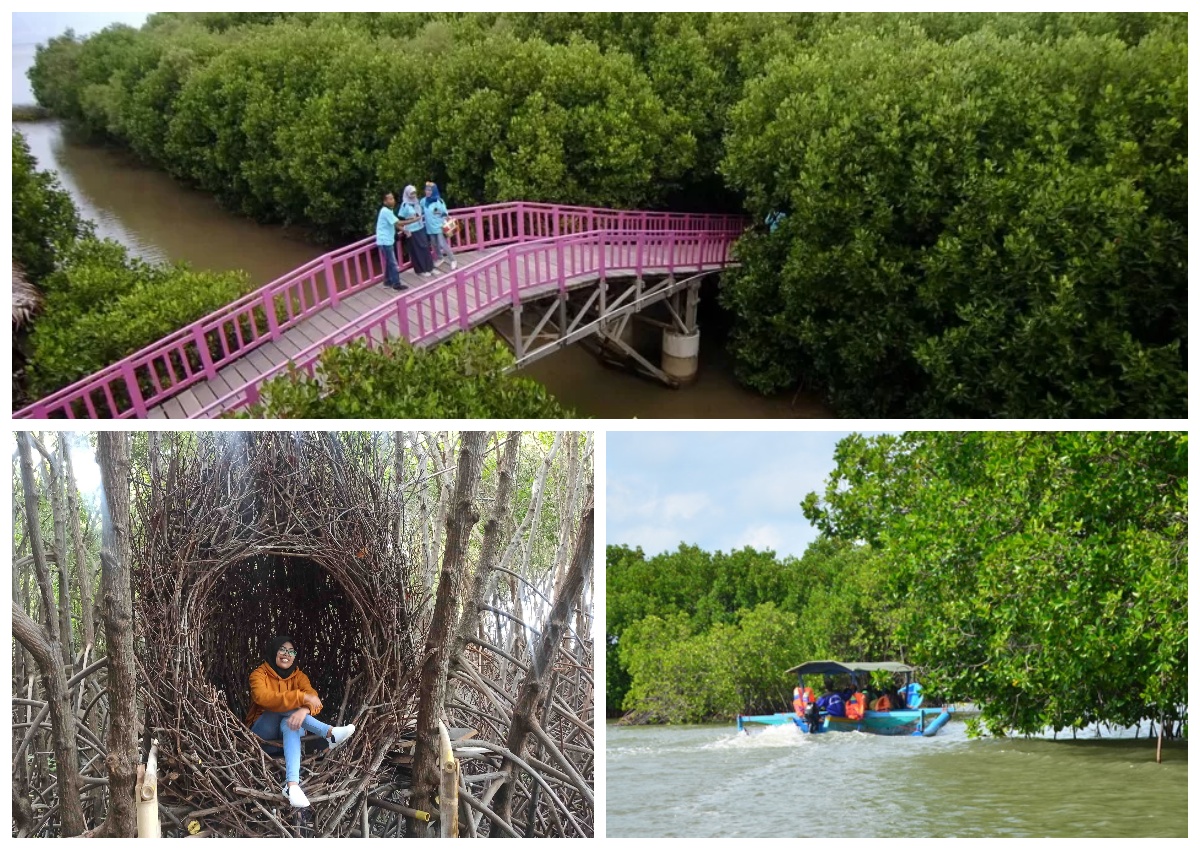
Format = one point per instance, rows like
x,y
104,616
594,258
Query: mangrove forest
x,y
947,215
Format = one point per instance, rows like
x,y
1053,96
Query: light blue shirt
x,y
435,216
408,211
385,227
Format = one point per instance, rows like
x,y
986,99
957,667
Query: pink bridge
x,y
508,254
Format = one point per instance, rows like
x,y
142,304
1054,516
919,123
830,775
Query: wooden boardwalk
x,y
423,313
307,333
509,255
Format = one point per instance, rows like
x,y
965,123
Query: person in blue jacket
x,y
386,226
413,220
435,217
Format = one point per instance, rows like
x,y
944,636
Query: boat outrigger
x,y
893,711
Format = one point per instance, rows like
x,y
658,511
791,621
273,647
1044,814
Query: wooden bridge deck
x,y
421,313
304,335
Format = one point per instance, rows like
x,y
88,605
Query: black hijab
x,y
273,649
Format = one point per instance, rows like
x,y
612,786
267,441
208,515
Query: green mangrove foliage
x,y
300,118
464,378
101,304
986,213
993,225
1043,575
695,636
45,222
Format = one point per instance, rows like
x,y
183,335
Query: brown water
x,y
158,219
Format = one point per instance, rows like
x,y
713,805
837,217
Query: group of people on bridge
x,y
424,224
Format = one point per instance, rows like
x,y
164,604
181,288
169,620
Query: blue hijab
x,y
433,198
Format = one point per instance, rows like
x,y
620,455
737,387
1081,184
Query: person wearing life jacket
x,y
884,703
855,706
802,698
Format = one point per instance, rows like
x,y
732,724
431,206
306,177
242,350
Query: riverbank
x,y
30,113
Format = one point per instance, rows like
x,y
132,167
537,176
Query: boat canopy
x,y
809,668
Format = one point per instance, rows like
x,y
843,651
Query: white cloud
x,y
654,538
763,537
685,506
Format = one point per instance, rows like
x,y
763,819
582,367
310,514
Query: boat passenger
x,y
282,702
802,698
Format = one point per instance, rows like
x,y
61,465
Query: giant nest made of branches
x,y
244,536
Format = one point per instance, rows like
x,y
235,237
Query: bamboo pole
x,y
148,825
448,801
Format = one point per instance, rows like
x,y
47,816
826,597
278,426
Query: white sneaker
x,y
295,796
453,265
426,274
340,734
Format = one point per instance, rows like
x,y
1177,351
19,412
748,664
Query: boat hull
x,y
925,722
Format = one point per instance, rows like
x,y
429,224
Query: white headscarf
x,y
410,194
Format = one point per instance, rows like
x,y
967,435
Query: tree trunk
x,y
83,571
533,689
468,623
52,469
43,645
48,655
400,469
567,509
115,556
463,516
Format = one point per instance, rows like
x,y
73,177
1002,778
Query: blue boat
x,y
905,716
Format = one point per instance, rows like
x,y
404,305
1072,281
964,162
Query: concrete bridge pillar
x,y
681,341
681,355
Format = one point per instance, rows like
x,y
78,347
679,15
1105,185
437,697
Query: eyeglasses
x,y
290,652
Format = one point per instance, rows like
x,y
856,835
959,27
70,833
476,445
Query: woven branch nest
x,y
245,537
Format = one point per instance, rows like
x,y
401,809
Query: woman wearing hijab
x,y
282,702
412,214
435,217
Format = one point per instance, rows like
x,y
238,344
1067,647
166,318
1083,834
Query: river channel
x,y
711,781
158,219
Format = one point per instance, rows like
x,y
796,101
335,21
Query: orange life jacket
x,y
884,703
801,700
855,706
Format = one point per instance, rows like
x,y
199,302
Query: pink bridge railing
x,y
639,240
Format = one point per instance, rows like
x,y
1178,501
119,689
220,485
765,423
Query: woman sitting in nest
x,y
282,702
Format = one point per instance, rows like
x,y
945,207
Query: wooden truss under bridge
x,y
510,255
605,311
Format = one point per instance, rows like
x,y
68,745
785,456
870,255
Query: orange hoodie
x,y
269,692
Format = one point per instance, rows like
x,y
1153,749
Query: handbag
x,y
449,226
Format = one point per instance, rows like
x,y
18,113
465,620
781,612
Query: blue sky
x,y
718,490
38,27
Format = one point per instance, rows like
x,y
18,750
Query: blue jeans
x,y
391,275
272,725
441,245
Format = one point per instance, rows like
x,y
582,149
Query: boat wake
x,y
771,737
